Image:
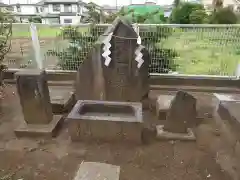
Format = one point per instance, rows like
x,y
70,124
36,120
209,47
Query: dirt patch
x,y
59,158
22,52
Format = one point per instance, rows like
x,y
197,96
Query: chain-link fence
x,y
182,49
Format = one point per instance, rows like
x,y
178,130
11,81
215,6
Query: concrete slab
x,y
230,111
162,105
62,98
40,130
97,171
164,135
227,97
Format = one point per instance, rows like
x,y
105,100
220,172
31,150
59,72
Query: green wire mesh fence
x,y
182,49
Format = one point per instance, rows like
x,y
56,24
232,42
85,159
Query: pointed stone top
x,y
118,22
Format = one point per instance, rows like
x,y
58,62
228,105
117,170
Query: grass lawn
x,y
44,31
22,30
205,51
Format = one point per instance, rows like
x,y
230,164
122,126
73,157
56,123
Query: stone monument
x,y
34,97
110,86
112,71
180,118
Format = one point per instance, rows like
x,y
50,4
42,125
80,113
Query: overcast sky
x,y
100,2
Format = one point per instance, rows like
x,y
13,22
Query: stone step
x,y
97,171
212,89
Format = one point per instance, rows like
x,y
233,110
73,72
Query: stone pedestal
x,y
35,102
106,121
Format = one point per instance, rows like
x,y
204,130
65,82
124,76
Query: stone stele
x,y
182,113
121,80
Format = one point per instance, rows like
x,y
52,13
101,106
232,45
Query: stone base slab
x,y
37,130
62,99
97,171
161,134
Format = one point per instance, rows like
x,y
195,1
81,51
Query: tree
x,y
223,16
182,13
95,14
198,17
6,20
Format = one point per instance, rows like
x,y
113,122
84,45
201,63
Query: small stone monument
x,y
34,97
180,118
116,69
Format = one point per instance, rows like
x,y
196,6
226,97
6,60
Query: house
x,y
5,7
23,12
50,11
62,11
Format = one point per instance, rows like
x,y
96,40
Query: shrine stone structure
x,y
111,85
34,97
121,79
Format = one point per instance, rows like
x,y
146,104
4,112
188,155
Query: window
x,y
41,9
67,21
67,8
56,7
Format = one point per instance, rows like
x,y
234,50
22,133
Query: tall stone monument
x,y
116,69
34,97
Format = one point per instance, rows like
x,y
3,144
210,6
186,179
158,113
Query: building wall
x,y
26,9
74,19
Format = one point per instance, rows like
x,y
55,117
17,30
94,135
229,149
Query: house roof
x,y
42,2
3,4
23,4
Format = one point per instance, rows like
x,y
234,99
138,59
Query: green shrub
x,y
35,19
